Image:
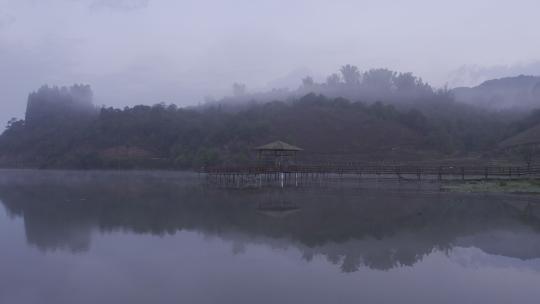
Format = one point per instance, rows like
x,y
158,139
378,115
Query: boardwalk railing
x,y
383,171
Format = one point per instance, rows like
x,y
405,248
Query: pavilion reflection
x,y
351,229
277,206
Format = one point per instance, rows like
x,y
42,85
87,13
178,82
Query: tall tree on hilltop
x,y
350,74
333,80
308,82
239,89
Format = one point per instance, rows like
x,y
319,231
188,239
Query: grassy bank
x,y
502,186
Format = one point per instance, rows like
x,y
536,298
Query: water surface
x,y
133,237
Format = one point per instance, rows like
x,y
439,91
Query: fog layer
x,y
148,51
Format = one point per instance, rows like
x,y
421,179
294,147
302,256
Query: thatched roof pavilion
x,y
277,151
278,146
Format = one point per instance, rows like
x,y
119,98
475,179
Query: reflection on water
x,y
350,228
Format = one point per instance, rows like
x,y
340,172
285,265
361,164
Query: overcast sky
x,y
178,51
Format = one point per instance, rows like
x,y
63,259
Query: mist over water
x,y
137,237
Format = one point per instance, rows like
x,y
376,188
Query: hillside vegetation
x,y
62,129
510,92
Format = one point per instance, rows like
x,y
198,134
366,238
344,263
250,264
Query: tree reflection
x,y
350,228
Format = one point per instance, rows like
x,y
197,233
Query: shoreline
x,y
495,186
522,187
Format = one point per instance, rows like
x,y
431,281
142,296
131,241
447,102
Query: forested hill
x,y
400,89
510,92
61,130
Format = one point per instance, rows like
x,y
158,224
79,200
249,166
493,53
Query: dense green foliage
x,y
62,128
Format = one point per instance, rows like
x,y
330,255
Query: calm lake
x,y
162,237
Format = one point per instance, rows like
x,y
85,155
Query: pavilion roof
x,y
278,146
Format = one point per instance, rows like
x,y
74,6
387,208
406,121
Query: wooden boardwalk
x,y
298,174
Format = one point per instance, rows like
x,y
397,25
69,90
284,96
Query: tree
x,y
379,79
239,89
53,106
351,74
333,80
11,122
405,82
308,82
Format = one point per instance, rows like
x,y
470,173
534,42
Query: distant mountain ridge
x,y
509,92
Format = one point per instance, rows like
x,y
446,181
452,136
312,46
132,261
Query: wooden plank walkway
x,y
485,171
284,174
